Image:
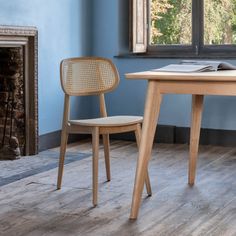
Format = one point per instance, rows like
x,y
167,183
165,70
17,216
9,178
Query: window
x,y
184,28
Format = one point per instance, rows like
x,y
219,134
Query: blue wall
x,y
69,28
64,28
110,37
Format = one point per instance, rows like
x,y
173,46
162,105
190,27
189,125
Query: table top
x,y
222,75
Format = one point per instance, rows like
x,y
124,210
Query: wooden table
x,y
159,83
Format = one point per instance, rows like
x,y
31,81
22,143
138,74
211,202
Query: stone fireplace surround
x,y
27,39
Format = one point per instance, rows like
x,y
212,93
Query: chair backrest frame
x,y
101,76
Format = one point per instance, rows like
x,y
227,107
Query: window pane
x,y
171,22
219,22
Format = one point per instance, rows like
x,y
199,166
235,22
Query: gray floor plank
x,y
31,206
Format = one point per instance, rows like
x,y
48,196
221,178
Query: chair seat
x,y
109,121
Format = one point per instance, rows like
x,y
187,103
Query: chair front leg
x,y
138,132
95,144
106,144
64,138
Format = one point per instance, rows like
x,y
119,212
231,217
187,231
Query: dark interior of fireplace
x,y
12,103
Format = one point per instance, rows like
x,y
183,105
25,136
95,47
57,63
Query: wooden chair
x,y
93,76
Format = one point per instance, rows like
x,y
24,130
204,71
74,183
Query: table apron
x,y
198,87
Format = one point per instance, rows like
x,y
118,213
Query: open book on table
x,y
188,66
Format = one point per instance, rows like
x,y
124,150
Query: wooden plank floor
x,y
32,206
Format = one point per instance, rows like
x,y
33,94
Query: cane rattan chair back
x,y
88,76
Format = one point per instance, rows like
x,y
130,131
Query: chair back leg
x,y
95,144
106,144
64,138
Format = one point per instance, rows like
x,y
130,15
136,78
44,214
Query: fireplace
x,y
18,92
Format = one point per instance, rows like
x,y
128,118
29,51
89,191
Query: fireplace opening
x,y
12,103
18,92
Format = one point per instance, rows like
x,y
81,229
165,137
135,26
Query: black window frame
x,y
197,49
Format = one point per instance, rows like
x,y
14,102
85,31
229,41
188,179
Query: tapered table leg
x,y
151,113
197,107
138,133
